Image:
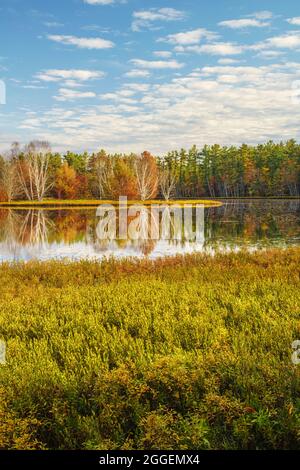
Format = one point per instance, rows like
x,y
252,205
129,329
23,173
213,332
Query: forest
x,y
33,172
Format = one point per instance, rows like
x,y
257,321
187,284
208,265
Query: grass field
x,y
181,353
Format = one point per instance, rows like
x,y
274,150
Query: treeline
x,y
35,172
264,170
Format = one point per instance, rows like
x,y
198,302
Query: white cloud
x,y
139,87
66,94
33,87
157,64
224,104
285,41
217,48
163,54
289,41
144,18
82,43
165,14
126,93
227,61
72,84
230,102
116,110
222,48
263,15
30,123
243,23
269,54
295,21
123,96
56,75
189,37
53,24
136,73
99,2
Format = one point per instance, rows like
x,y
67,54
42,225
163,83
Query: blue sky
x,y
156,75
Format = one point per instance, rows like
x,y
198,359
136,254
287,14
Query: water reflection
x,y
74,233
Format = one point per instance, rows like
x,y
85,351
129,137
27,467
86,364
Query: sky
x,y
156,75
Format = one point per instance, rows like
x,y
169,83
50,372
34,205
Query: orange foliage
x,y
66,182
123,182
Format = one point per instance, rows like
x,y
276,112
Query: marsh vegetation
x,y
181,353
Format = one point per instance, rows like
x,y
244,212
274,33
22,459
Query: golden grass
x,y
52,203
182,353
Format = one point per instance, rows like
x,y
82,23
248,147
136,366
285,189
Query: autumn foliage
x,y
123,181
66,182
35,172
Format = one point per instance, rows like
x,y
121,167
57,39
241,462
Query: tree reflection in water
x,y
34,228
80,233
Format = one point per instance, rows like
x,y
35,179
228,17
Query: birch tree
x,y
167,183
146,175
104,173
33,170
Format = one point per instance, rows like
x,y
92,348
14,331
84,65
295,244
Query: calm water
x,y
74,233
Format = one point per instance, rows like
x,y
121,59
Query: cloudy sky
x,y
130,75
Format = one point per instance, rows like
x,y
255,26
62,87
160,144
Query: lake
x,y
84,233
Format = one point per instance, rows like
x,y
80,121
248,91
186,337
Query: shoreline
x,y
93,203
86,203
